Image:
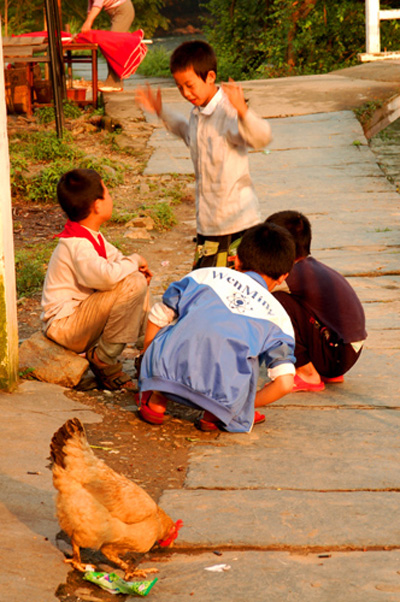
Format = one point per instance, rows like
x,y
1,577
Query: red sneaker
x,y
333,380
302,385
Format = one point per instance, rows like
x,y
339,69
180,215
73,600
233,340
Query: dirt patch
x,y
154,457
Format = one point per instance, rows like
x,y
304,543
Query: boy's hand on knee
x,y
235,96
149,101
144,269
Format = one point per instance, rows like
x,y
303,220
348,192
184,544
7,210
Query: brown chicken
x,y
99,508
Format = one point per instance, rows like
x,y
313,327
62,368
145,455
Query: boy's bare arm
x,y
151,331
274,390
148,100
93,13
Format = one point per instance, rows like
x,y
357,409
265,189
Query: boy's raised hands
x,y
148,100
235,95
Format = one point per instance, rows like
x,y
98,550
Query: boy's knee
x,y
135,285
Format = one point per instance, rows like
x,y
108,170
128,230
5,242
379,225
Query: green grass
x,y
57,156
30,267
162,214
156,63
46,114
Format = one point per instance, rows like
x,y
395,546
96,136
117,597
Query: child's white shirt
x,y
76,271
226,201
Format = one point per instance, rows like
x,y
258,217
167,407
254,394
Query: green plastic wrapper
x,y
116,585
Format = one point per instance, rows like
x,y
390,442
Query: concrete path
x,y
305,508
309,500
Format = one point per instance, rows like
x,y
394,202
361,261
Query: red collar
x,y
75,230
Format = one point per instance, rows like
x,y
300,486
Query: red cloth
x,y
123,51
75,230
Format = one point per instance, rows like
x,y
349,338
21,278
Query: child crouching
x,y
205,341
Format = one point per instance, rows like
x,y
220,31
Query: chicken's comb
x,y
173,534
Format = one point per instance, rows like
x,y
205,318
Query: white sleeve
x,y
161,315
176,124
101,274
255,131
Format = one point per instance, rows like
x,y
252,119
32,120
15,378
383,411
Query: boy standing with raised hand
x,y
220,130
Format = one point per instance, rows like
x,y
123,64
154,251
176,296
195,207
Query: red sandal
x,y
333,379
208,424
148,415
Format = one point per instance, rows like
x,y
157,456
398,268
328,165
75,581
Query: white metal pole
x,y
372,33
8,306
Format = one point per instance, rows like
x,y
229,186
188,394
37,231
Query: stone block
x,y
51,363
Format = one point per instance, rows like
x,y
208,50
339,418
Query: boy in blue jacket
x,y
205,341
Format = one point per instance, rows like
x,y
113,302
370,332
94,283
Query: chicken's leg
x,y
110,553
130,572
76,559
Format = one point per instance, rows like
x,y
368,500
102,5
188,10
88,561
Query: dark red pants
x,y
315,343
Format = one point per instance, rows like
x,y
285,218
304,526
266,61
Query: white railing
x,y
373,17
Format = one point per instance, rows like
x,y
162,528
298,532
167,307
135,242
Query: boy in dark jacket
x,y
327,316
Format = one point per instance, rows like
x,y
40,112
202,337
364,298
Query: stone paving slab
x,y
371,383
331,449
279,98
317,130
352,261
263,518
262,576
31,565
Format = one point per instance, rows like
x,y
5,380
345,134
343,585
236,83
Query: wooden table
x,y
22,50
89,57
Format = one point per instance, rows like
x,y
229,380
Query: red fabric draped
x,y
123,51
75,230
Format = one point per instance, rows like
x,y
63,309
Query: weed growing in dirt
x,y
46,146
365,113
30,266
121,218
46,114
42,188
18,172
112,172
161,213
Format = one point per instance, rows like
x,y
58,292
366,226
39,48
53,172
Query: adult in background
x,y
121,13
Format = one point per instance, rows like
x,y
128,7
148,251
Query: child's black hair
x,y
194,54
298,226
267,249
77,190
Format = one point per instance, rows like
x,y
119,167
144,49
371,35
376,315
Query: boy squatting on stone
x,y
218,133
95,299
205,341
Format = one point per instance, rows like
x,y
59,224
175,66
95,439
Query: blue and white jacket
x,y
227,324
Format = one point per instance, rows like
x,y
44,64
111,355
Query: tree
x,y
261,38
25,17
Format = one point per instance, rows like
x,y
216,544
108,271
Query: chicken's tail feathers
x,y
72,428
